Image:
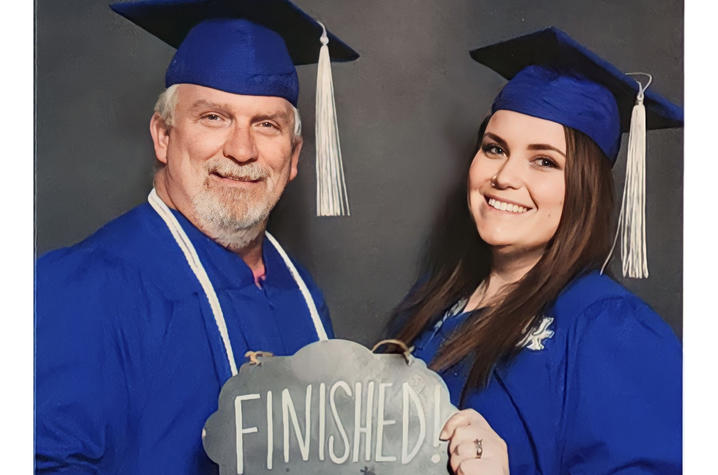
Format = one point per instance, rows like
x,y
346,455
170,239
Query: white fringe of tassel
x,y
332,199
632,218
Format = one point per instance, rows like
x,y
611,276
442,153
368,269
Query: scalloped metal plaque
x,y
334,407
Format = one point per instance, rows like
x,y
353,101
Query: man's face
x,y
227,158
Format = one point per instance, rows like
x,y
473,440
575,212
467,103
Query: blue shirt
x,y
596,391
129,360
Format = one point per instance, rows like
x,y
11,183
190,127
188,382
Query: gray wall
x,y
408,112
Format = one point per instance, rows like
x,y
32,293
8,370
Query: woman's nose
x,y
508,175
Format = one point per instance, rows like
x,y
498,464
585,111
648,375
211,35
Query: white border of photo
x,y
16,196
700,318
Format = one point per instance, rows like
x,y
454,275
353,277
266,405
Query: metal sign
x,y
334,407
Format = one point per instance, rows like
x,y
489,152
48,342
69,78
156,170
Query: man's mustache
x,y
249,171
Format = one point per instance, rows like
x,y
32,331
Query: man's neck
x,y
252,256
250,252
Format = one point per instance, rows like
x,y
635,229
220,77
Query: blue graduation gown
x,y
129,360
602,396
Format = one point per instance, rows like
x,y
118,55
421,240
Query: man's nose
x,y
509,174
240,145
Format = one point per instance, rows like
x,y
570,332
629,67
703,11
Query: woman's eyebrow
x,y
497,139
543,146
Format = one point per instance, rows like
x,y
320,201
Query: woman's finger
x,y
474,447
457,420
482,466
466,450
481,457
469,448
461,418
465,434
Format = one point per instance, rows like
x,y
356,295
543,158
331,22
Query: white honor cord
x,y
195,264
318,325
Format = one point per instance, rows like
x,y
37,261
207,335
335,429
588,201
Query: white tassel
x,y
632,218
332,199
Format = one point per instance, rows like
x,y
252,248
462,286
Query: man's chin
x,y
233,232
235,229
240,239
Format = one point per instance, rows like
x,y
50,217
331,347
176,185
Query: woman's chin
x,y
509,250
499,238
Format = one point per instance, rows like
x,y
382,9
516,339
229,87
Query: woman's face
x,y
516,183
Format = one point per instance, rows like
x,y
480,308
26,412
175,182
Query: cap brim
x,y
552,47
171,20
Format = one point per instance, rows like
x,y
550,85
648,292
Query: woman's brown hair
x,y
458,260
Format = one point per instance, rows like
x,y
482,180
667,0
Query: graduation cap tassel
x,y
632,217
332,199
632,220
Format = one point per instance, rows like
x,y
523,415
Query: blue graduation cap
x,y
553,77
251,47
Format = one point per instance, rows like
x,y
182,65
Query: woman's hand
x,y
474,447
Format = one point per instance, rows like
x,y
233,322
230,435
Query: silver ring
x,y
479,448
493,181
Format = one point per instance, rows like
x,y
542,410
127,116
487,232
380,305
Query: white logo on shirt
x,y
533,340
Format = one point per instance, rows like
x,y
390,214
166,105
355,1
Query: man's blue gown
x,y
602,396
129,360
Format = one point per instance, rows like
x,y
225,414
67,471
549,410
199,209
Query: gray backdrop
x,y
408,112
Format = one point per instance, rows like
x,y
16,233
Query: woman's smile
x,y
505,205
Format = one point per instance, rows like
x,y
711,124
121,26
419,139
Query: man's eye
x,y
267,124
212,118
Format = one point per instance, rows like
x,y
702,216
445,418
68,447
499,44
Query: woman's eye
x,y
492,149
545,162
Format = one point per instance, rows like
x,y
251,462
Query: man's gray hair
x,y
167,101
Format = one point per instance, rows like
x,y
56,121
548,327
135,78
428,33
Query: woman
x,y
553,362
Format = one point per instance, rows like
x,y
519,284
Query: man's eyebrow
x,y
543,146
203,103
272,116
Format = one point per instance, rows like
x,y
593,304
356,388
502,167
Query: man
x,y
139,325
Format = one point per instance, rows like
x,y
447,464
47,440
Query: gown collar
x,y
229,271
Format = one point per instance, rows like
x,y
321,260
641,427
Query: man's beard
x,y
232,216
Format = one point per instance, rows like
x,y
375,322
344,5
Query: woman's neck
x,y
506,269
